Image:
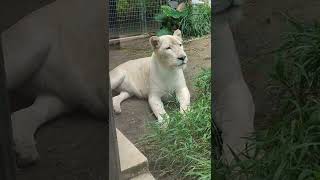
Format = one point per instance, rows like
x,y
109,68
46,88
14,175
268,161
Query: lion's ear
x,y
178,34
155,42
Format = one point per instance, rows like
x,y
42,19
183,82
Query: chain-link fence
x,y
133,17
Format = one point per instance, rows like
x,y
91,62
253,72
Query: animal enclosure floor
x,y
136,113
71,148
257,34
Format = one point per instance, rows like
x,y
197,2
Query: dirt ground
x,y
136,113
257,34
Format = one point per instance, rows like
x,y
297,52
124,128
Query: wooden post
x,y
7,157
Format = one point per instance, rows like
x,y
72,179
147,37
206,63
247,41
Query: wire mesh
x,y
133,17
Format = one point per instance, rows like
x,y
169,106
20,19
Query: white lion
x,y
154,77
57,57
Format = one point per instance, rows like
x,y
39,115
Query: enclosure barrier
x,y
133,17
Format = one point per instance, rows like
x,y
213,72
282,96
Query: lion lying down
x,y
57,57
154,77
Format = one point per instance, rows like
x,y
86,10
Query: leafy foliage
x,y
192,21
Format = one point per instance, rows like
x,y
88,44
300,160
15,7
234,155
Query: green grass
x,y
183,149
290,149
198,21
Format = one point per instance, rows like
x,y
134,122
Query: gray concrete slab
x,y
132,162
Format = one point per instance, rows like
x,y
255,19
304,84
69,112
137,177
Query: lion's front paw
x,y
163,120
163,124
25,145
184,110
26,155
116,106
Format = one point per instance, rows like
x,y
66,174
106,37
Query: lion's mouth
x,y
182,64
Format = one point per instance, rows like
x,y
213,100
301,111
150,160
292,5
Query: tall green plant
x,y
169,19
198,21
192,21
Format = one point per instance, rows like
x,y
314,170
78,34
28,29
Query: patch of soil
x,y
136,113
72,147
259,33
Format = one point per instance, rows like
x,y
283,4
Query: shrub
x,y
192,21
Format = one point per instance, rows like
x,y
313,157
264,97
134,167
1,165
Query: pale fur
x,y
154,77
56,65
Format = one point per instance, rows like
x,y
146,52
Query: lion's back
x,y
137,74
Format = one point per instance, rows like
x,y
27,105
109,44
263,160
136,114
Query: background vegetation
x,y
290,148
193,21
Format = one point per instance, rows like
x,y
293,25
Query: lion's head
x,y
169,50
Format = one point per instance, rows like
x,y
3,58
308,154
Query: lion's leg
x,y
116,78
183,96
25,47
26,121
157,107
118,99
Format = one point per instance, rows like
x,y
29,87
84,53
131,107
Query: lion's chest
x,y
165,84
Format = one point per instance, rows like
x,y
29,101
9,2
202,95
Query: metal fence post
x,y
7,157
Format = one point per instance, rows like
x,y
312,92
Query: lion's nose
x,y
182,58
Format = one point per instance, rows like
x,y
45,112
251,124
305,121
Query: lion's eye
x,y
168,48
180,44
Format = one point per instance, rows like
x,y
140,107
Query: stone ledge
x,y
132,162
